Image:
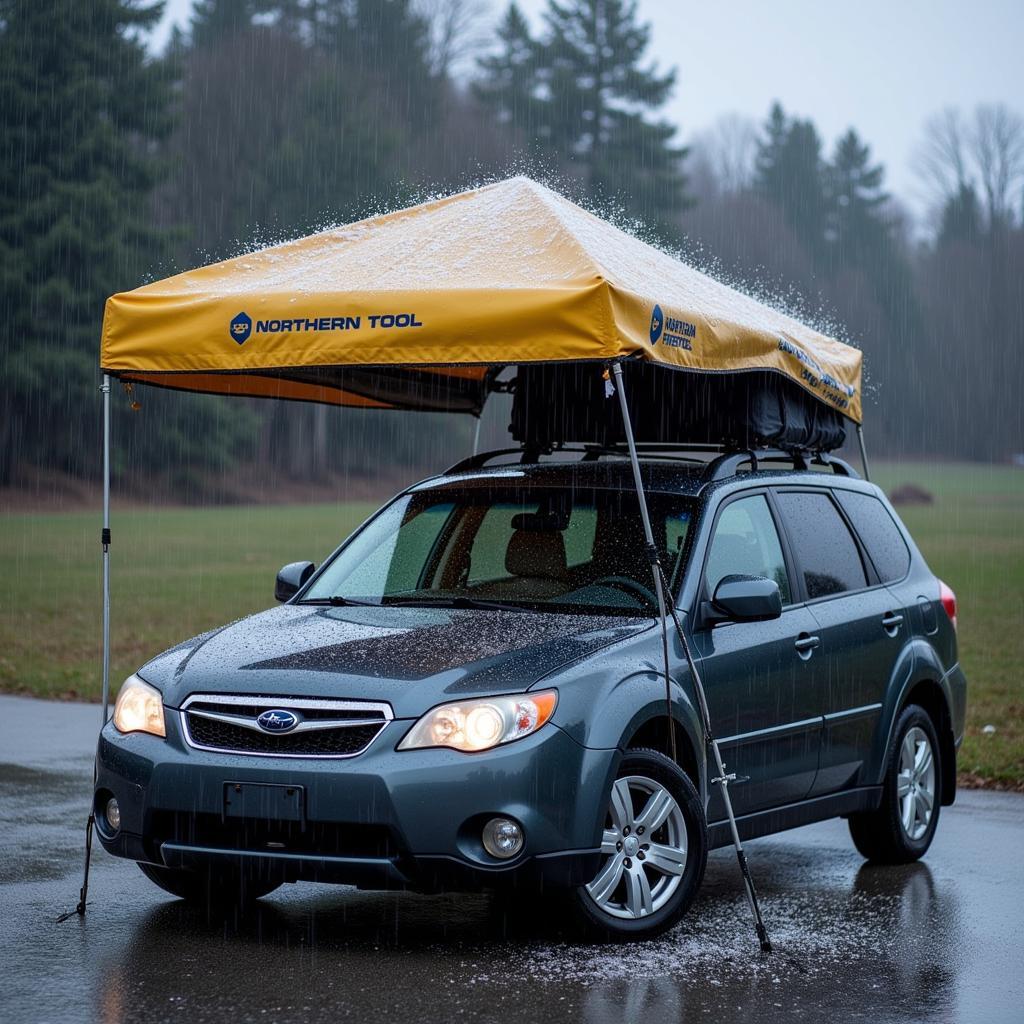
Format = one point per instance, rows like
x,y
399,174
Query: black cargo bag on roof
x,y
571,403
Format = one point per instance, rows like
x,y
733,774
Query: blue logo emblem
x,y
241,328
657,323
277,721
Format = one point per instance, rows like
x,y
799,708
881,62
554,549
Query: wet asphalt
x,y
942,940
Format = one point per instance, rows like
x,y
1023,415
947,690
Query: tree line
x,y
268,119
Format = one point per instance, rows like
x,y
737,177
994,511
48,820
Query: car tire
x,y
681,842
902,828
224,887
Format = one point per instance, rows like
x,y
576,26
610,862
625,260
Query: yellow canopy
x,y
420,308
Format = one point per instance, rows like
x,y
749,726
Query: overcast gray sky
x,y
882,66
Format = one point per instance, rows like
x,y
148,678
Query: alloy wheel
x,y
644,844
915,783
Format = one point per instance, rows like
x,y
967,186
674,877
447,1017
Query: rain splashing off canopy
x,y
422,308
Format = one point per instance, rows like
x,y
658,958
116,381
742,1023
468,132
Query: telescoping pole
x,y
105,540
863,452
662,589
83,893
652,552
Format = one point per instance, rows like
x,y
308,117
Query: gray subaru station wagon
x,y
469,693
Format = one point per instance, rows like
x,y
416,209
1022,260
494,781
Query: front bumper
x,y
381,820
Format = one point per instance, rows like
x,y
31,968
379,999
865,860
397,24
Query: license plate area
x,y
264,801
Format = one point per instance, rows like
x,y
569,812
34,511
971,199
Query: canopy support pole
x,y
83,893
652,553
662,589
105,541
863,452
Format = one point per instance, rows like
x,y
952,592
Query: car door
x,y
759,687
859,629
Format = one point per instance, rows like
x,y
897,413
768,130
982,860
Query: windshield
x,y
493,545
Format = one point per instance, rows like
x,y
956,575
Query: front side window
x,y
746,543
825,550
561,548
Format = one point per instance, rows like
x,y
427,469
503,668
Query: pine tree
x,y
388,43
961,217
862,246
81,106
790,174
510,81
856,226
213,20
599,97
582,97
768,166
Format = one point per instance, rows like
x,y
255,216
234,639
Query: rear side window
x,y
879,534
824,547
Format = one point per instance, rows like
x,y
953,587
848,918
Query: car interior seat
x,y
537,558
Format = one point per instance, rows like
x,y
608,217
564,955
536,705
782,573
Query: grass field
x,y
973,538
180,571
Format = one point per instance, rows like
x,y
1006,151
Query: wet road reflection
x,y
879,946
935,941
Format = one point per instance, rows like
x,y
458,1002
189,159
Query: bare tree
x,y
457,31
987,151
997,146
941,160
726,151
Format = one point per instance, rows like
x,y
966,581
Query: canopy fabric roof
x,y
420,308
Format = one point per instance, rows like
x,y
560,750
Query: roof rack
x,y
727,465
723,467
526,453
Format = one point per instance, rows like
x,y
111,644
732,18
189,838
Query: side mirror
x,y
291,579
746,599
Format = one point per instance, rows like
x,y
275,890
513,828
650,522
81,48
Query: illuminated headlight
x,y
473,725
139,708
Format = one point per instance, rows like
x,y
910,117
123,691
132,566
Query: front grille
x,y
326,728
327,742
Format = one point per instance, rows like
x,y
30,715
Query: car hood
x,y
413,658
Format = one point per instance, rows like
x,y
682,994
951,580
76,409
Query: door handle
x,y
805,644
891,623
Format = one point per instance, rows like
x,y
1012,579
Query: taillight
x,y
948,599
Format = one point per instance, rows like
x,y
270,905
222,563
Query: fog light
x,y
503,838
113,814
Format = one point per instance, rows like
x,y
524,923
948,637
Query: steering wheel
x,y
630,586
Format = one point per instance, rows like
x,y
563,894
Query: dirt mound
x,y
911,494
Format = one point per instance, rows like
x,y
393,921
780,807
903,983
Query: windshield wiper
x,y
339,601
455,602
